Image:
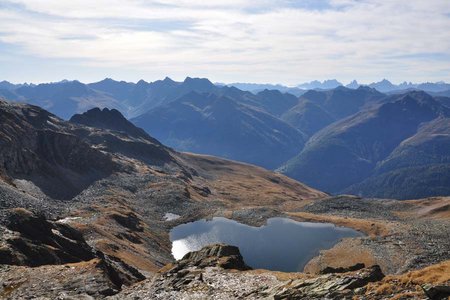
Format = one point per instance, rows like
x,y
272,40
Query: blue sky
x,y
276,41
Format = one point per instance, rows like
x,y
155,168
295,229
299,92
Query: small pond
x,y
282,245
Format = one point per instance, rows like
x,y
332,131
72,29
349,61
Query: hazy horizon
x,y
344,83
283,41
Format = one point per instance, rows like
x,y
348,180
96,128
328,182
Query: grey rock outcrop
x,y
51,247
202,275
34,241
356,267
437,292
220,255
330,286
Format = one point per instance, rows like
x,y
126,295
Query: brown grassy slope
x,y
247,185
408,285
349,251
433,208
370,227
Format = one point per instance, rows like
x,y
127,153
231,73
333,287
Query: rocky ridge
x,y
196,277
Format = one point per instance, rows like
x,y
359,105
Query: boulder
x,y
220,255
356,267
189,270
329,286
436,292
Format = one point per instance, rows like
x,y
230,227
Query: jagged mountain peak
x,y
315,84
108,119
142,82
168,79
353,84
108,82
7,85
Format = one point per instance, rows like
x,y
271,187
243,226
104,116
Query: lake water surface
x,y
282,245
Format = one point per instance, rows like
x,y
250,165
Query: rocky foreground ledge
x,y
219,272
51,260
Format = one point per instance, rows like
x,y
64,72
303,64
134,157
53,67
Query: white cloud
x,y
266,41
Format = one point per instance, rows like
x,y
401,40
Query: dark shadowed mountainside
x,y
209,124
418,167
276,102
317,109
341,101
443,100
349,151
36,146
308,117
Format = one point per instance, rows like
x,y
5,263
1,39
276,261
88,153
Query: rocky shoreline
x,y
219,272
402,245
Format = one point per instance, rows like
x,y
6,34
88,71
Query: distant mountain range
x,y
384,86
256,88
324,85
63,98
66,98
353,139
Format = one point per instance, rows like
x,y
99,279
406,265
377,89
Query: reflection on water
x,y
282,244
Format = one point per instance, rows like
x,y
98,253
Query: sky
x,y
261,41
